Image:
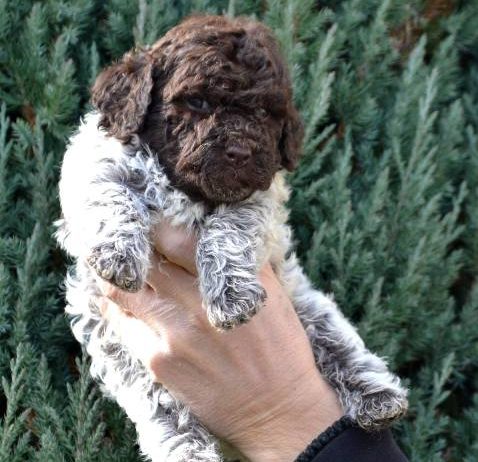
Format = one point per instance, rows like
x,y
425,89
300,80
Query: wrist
x,y
281,434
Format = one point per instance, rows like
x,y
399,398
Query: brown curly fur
x,y
213,100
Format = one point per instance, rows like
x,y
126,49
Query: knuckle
x,y
156,366
161,363
156,362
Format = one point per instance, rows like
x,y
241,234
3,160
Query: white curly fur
x,y
111,195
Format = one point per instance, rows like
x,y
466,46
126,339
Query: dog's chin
x,y
219,186
216,194
199,189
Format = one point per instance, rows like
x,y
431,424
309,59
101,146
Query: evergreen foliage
x,y
384,203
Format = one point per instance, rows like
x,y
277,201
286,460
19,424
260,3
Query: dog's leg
x,y
107,218
120,250
368,391
227,263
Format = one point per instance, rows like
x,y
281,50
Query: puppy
x,y
198,129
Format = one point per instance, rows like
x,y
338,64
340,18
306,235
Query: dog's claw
x,y
234,308
116,268
379,410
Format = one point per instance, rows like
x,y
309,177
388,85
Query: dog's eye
x,y
198,104
261,113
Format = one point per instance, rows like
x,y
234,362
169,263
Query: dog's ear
x,y
122,93
290,144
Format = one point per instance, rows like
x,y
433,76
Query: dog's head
x,y
213,100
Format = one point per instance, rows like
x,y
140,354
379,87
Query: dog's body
x,y
116,185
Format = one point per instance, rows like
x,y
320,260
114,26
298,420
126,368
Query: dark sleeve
x,y
344,441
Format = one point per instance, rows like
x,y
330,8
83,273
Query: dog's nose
x,y
238,155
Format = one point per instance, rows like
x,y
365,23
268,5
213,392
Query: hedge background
x,y
385,202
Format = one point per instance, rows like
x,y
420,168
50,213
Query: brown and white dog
x,y
197,129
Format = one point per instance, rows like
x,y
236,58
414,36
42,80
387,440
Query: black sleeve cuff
x,y
324,438
344,441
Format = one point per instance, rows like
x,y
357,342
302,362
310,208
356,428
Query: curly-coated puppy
x,y
198,129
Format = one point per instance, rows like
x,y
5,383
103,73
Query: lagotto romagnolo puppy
x,y
198,129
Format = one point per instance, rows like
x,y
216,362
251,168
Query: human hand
x,y
256,386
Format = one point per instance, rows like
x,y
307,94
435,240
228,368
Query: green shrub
x,y
384,203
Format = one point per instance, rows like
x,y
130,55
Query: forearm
x,y
281,434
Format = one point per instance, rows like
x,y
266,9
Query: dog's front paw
x,y
236,304
379,410
121,269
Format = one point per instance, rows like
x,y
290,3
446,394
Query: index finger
x,y
158,312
